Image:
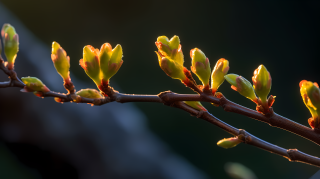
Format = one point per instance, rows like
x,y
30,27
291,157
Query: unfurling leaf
x,y
33,84
110,60
170,49
200,66
11,44
61,61
90,63
242,85
218,73
171,68
101,65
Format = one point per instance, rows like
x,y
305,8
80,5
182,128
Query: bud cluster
x,y
201,67
258,92
170,57
101,65
171,61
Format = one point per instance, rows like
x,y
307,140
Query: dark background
x,y
282,35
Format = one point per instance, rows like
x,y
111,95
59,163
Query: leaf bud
x,y
237,170
171,68
33,84
110,60
310,94
196,105
242,85
90,63
218,73
89,93
229,142
170,49
262,82
60,61
200,66
11,44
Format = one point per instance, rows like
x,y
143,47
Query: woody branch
x,y
175,100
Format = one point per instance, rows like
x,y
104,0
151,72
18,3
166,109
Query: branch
x,y
175,100
14,80
292,155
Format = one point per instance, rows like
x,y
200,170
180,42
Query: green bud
x,y
218,73
237,170
242,85
90,63
171,68
11,44
200,66
89,93
196,105
229,142
60,61
262,82
310,94
33,84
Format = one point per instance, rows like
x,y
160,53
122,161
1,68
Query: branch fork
x,y
176,100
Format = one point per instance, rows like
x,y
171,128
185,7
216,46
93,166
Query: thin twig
x,y
292,155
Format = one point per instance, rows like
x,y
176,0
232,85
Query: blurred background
x,y
44,139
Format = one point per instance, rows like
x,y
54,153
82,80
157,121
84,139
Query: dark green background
x,y
282,35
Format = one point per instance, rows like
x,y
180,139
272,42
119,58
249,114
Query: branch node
x,y
224,102
165,97
97,102
68,85
200,113
207,91
291,154
270,113
244,136
74,97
